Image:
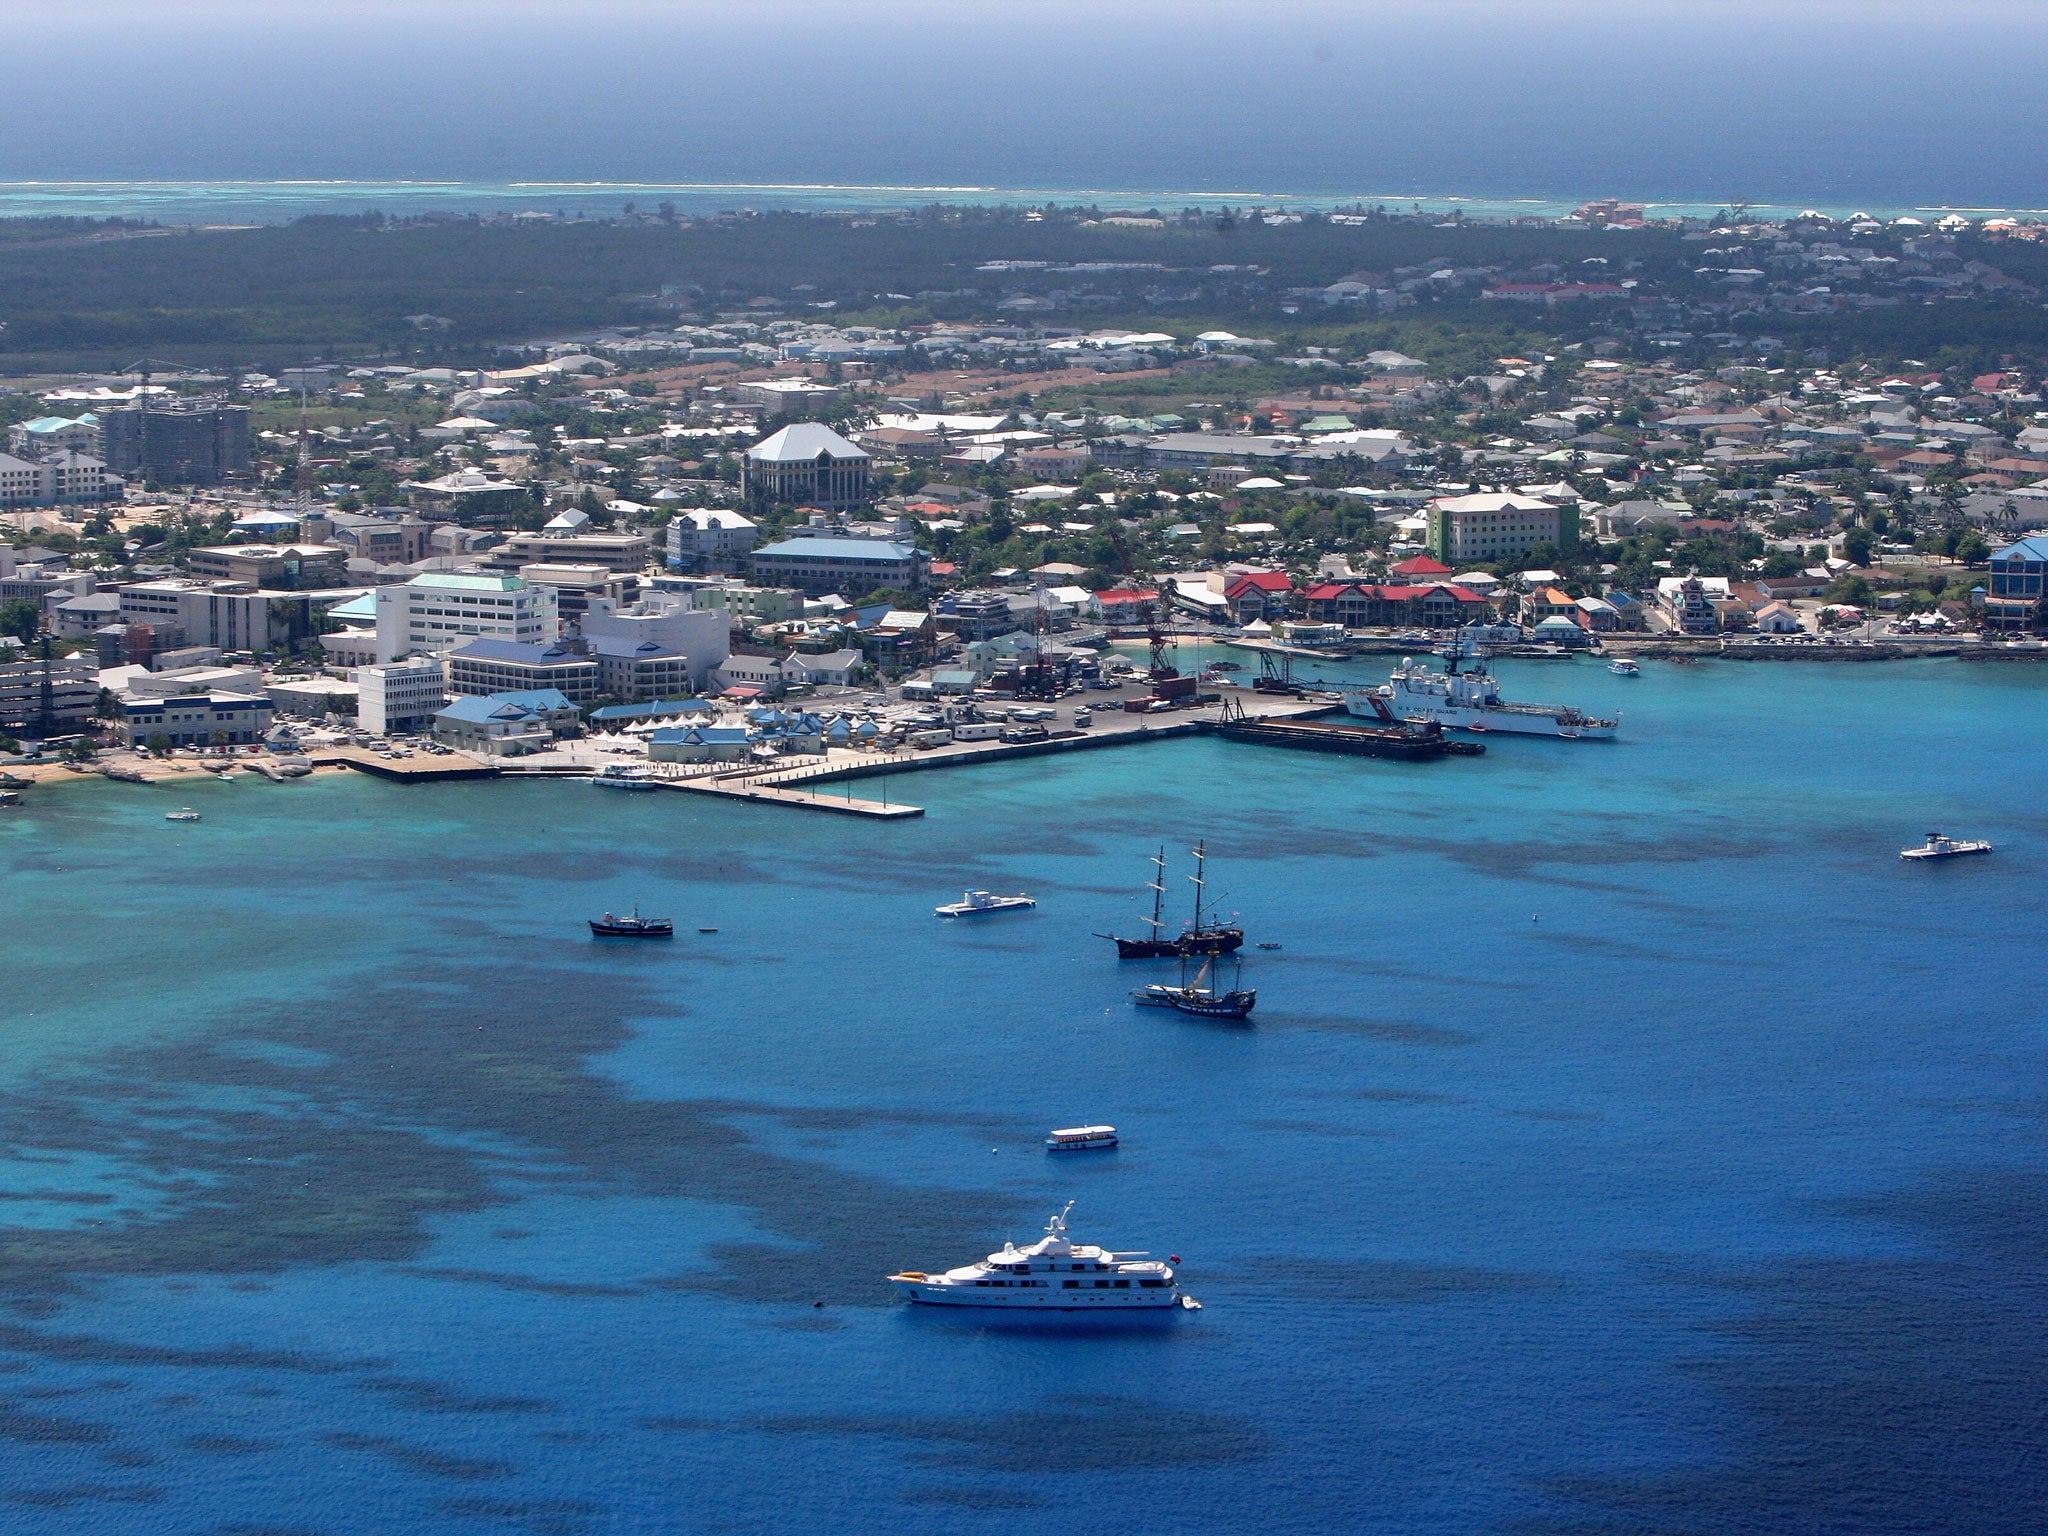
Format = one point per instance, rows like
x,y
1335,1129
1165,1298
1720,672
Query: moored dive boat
x,y
1053,1274
981,903
1470,700
633,926
1940,845
628,776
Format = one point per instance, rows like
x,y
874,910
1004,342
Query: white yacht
x,y
981,903
631,776
1052,1275
183,813
1469,700
1940,845
1624,666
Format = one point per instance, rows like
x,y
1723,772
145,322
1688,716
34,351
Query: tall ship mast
x,y
1202,936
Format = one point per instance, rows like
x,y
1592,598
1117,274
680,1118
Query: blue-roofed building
x,y
507,724
484,666
2017,598
697,744
821,563
615,717
638,669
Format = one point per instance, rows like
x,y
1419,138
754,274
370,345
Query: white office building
x,y
708,537
702,636
400,695
437,611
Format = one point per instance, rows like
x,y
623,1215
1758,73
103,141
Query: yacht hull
x,y
925,1293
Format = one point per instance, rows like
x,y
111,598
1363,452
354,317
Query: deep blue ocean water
x,y
1625,1141
1829,103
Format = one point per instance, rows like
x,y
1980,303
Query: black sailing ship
x,y
1202,936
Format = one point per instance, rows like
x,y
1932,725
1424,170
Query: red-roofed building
x,y
1421,565
1258,595
1356,605
1123,605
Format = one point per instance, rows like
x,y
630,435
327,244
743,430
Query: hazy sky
x,y
1797,99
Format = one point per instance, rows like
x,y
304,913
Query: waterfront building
x,y
195,719
1496,525
1123,605
176,442
484,666
806,464
227,615
1694,602
72,685
700,637
642,669
507,724
441,609
2017,598
400,695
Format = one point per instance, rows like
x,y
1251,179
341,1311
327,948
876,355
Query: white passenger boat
x,y
1082,1138
981,903
1052,1275
630,776
1941,846
1624,666
1469,700
183,813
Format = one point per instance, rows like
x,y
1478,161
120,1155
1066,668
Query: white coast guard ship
x,y
1053,1274
1468,700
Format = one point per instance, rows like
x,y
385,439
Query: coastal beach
x,y
1609,1106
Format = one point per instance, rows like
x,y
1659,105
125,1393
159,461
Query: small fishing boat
x,y
1623,666
633,926
182,813
1941,846
1268,944
1082,1138
981,903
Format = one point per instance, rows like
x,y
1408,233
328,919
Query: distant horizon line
x,y
52,197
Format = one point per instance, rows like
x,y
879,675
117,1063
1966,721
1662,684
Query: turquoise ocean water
x,y
1626,1141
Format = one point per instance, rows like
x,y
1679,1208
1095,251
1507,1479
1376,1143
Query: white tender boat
x,y
1052,1275
630,776
1470,701
1082,1138
1624,666
981,903
1941,846
183,813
